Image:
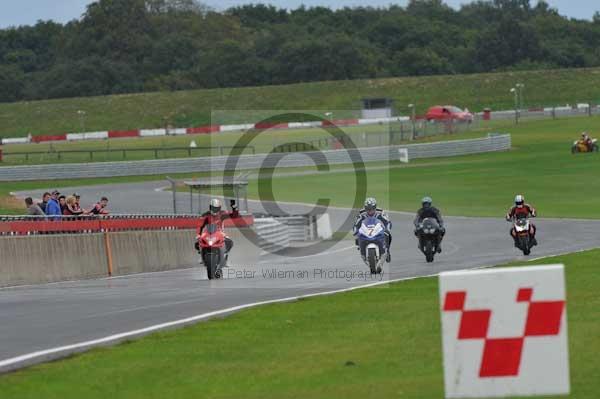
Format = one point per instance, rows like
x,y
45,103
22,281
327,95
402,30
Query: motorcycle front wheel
x,y
525,245
212,266
429,253
372,260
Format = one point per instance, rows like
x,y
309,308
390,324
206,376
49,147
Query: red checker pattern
x,y
544,318
474,324
501,357
524,295
455,300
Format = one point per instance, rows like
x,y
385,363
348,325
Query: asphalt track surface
x,y
36,318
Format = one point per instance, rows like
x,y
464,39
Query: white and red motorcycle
x,y
524,238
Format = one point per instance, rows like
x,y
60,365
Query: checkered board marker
x,y
504,332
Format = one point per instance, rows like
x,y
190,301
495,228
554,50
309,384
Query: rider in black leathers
x,y
371,210
429,211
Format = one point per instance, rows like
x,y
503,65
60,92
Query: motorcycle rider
x,y
587,140
370,210
521,210
217,216
429,211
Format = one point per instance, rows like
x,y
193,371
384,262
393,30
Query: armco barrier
x,y
216,164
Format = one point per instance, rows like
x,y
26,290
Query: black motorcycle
x,y
429,233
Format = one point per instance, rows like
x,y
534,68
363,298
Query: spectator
x,y
33,209
62,201
53,207
45,199
71,207
76,207
100,207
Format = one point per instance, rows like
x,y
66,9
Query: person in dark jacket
x,y
429,211
62,201
45,199
100,207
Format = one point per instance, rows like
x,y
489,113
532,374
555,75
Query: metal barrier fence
x,y
395,133
32,225
249,162
116,154
554,112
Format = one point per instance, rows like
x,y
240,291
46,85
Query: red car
x,y
448,112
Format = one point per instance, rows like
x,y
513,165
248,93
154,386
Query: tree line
x,y
126,46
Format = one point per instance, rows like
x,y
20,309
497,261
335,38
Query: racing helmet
x,y
215,206
519,200
371,206
426,202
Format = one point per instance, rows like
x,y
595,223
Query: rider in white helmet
x,y
371,210
521,210
216,215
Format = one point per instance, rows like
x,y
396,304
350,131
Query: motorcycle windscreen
x,y
430,224
212,228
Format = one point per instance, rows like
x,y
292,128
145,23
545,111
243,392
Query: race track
x,y
37,318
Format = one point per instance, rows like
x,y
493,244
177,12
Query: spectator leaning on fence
x,y
71,208
100,207
62,201
45,199
33,209
53,207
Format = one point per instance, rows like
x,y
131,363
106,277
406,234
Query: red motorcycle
x,y
211,245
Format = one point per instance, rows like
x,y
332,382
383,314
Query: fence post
x,y
108,249
590,108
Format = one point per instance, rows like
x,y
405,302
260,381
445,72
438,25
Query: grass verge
x,y
379,342
540,166
193,108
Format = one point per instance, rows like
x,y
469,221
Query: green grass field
x,y
194,108
540,166
334,346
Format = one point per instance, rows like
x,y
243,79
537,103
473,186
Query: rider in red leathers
x,y
217,216
522,210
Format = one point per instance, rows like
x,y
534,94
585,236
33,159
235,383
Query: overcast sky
x,y
27,12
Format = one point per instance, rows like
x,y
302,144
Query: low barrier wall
x,y
50,258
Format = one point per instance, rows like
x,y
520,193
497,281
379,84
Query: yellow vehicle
x,y
583,145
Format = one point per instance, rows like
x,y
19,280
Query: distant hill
x,y
194,107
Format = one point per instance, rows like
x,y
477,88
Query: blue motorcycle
x,y
371,237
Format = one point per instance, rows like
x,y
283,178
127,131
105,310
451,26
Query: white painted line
x,y
143,331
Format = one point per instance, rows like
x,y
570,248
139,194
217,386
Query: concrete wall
x,y
49,258
152,251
